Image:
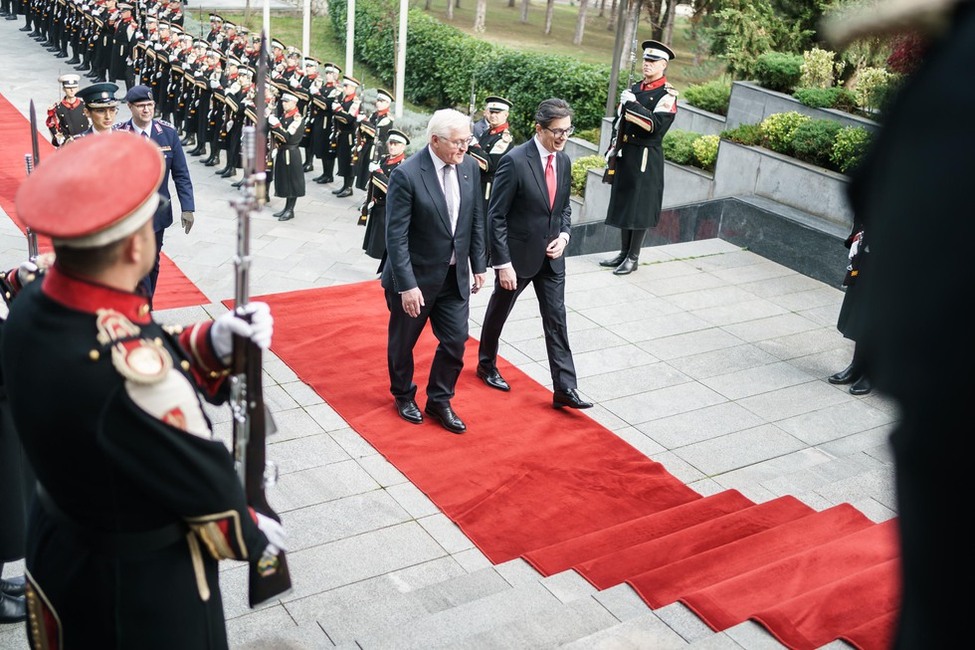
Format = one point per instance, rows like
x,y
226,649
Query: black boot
x,y
212,160
346,189
229,172
632,261
74,60
289,209
12,609
613,262
324,179
852,373
862,386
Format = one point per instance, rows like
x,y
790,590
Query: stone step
x,y
527,616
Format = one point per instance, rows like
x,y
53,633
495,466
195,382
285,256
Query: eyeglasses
x,y
456,144
561,133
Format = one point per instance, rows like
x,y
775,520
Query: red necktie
x,y
550,180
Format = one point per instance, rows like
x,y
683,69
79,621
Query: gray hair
x,y
552,109
446,122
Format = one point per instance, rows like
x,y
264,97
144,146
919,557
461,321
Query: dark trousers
x,y
147,286
550,290
447,311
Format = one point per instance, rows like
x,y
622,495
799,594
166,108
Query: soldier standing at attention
x,y
493,142
374,207
289,177
345,113
136,507
644,115
67,118
371,141
328,95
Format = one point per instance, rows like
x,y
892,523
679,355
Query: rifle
x,y
32,160
614,152
268,575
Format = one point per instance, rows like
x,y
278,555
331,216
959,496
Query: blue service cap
x,y
140,93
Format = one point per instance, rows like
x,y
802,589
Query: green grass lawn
x,y
503,27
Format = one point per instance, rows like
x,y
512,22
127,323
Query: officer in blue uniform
x,y
140,101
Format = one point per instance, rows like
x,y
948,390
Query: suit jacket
x,y
520,221
418,238
166,137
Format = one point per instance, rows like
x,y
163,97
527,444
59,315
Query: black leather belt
x,y
108,543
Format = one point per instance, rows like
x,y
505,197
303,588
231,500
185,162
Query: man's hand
x,y
259,329
412,302
627,96
507,278
186,220
479,280
556,248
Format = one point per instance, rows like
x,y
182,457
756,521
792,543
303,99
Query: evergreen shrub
x,y
580,170
778,71
713,96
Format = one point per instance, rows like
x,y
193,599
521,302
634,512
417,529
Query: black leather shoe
x,y
324,180
279,212
861,387
73,60
569,397
12,609
61,55
211,162
846,376
239,183
287,216
409,411
629,265
14,586
493,378
25,28
318,178
309,167
614,261
344,193
230,172
446,416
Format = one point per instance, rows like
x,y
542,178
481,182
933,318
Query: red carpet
x,y
174,289
559,490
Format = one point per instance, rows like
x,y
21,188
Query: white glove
x,y
295,82
214,84
373,166
259,330
627,96
274,532
273,120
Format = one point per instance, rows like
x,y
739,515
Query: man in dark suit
x,y
434,230
528,219
139,99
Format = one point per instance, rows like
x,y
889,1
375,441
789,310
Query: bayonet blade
x,y
35,149
260,106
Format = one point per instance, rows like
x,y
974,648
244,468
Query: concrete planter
x,y
697,120
682,185
742,171
750,104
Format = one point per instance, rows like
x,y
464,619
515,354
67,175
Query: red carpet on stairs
x,y
174,289
559,490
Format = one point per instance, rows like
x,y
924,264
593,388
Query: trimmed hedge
x,y
713,96
580,169
691,149
779,71
442,63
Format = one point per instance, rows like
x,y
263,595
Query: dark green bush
x,y
589,135
712,96
836,97
678,146
580,172
778,71
813,141
749,135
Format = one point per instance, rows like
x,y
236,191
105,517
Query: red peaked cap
x,y
64,199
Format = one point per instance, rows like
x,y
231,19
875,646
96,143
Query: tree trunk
x,y
580,22
629,56
480,14
426,5
669,19
511,4
549,9
614,14
450,9
524,11
602,9
658,20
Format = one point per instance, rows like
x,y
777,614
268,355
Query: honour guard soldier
x,y
494,142
67,118
216,28
101,107
371,140
289,177
374,207
329,94
345,113
645,113
311,85
135,509
122,59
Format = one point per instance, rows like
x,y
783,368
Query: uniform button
x,y
94,355
184,364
